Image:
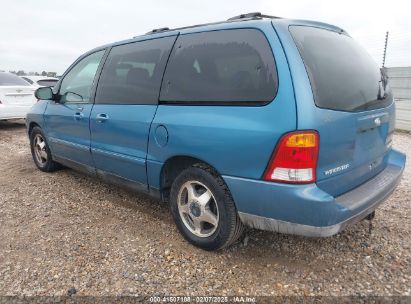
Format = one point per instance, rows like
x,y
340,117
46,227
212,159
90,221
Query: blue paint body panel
x,y
345,137
119,144
303,204
214,134
136,141
36,114
68,132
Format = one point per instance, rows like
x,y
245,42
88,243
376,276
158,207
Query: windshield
x,y
7,79
343,75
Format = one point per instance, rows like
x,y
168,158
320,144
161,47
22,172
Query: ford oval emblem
x,y
377,121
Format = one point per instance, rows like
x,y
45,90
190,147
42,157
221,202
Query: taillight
x,y
295,158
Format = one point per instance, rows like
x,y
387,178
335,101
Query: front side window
x,y
132,72
229,66
76,85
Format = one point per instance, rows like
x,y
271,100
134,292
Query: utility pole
x,y
385,49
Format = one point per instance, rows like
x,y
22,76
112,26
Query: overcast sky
x,y
37,35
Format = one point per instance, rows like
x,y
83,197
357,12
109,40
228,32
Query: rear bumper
x,y
306,209
13,111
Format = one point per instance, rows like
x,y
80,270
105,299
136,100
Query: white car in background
x,y
41,81
16,96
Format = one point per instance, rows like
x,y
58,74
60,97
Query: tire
x,y
40,151
220,225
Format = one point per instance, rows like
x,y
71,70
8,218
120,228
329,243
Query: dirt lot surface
x,y
66,231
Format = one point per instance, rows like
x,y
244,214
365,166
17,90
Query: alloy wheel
x,y
198,208
39,147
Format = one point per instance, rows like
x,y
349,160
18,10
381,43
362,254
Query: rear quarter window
x,y
221,67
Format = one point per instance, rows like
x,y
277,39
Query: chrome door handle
x,y
102,117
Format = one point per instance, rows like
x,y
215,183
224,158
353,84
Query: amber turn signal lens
x,y
304,140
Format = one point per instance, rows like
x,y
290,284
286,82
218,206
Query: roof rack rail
x,y
239,17
251,15
161,29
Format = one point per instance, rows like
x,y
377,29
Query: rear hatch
x,y
353,112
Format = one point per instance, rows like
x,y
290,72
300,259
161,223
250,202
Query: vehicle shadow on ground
x,y
12,125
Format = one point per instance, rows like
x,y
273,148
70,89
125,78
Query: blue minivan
x,y
276,124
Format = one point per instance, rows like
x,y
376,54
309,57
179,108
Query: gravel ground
x,y
66,230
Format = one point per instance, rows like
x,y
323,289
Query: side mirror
x,y
44,93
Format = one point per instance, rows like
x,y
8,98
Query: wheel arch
x,y
173,166
31,127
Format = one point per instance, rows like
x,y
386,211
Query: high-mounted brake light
x,y
295,158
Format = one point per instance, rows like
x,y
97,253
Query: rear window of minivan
x,y
343,75
221,67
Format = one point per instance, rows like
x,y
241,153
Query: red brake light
x,y
295,158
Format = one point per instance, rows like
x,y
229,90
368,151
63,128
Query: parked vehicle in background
x,y
16,96
41,81
282,125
